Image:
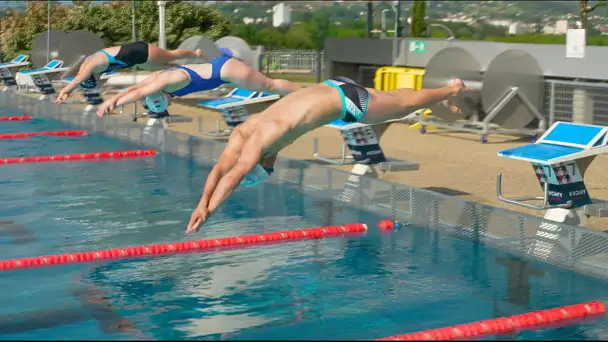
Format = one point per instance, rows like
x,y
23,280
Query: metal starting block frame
x,y
44,77
235,109
485,127
560,158
366,153
9,69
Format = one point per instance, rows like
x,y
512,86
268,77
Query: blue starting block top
x,y
238,97
561,143
103,76
54,64
19,60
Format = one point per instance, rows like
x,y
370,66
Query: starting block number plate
x,y
235,116
364,145
7,77
565,183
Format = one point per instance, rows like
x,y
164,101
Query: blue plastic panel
x,y
573,133
243,93
539,152
214,103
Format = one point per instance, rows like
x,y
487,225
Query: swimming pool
x,y
340,288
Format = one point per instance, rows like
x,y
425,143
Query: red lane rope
x,y
78,156
505,325
179,247
15,118
40,134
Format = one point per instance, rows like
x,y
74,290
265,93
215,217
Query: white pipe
x,y
162,38
383,34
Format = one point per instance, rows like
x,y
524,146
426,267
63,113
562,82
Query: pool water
x,y
337,288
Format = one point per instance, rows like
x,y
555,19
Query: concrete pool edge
x,y
574,248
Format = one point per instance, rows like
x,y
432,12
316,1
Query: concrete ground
x,y
455,164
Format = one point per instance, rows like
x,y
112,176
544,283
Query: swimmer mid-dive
x,y
141,54
265,134
157,89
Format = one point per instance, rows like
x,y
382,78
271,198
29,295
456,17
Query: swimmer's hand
x,y
106,108
459,87
198,217
63,95
198,52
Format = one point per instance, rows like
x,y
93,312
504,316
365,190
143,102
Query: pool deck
x,y
455,164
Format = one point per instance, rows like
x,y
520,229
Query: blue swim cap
x,y
226,52
255,177
157,102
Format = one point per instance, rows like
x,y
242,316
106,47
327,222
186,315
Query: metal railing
x,y
575,101
290,61
573,248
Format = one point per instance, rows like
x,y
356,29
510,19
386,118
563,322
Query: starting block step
x,y
560,158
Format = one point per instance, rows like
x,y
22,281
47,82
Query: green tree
x,y
418,19
585,9
319,31
111,22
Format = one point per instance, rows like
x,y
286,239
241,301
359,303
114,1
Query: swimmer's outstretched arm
x,y
107,106
85,70
239,157
410,100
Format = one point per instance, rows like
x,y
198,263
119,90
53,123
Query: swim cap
x,y
226,52
255,177
157,102
89,83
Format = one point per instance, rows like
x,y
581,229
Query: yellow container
x,y
393,78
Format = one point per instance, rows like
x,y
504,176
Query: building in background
x,y
281,15
518,28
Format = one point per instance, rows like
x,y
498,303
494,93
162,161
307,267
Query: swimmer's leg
x,y
159,57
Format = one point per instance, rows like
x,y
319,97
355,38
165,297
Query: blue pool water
x,y
340,288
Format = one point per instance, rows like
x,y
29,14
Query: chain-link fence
x,y
574,248
573,101
291,61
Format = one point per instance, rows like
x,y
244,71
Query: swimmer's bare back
x,y
292,116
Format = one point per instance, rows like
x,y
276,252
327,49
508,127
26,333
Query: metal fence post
x,y
551,104
319,66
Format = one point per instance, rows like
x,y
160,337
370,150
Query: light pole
x,y
162,38
48,32
134,38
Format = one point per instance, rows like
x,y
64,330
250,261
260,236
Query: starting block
x,y
235,108
364,145
43,78
91,89
7,70
560,158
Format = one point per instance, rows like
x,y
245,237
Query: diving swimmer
x,y
263,135
141,54
157,89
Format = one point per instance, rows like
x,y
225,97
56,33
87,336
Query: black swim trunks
x,y
355,98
